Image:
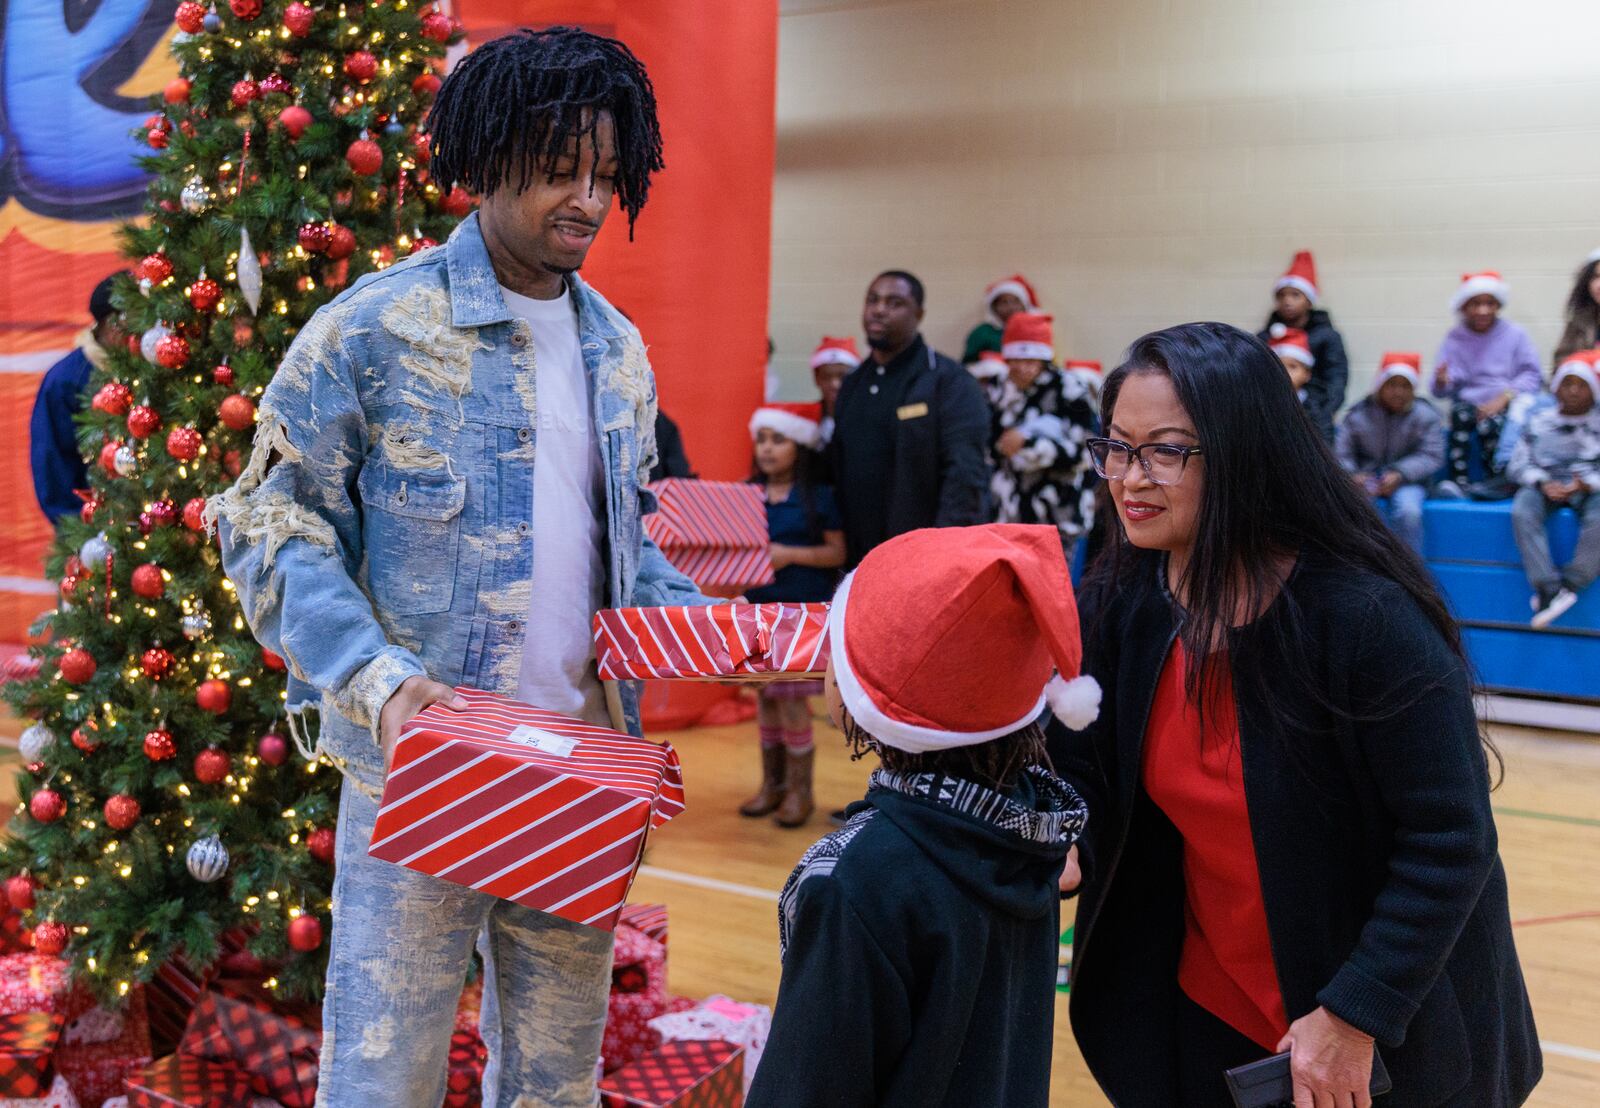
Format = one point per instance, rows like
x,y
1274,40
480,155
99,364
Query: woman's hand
x,y
1071,875
1330,1062
413,695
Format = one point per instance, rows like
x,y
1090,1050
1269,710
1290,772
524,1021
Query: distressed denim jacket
x,y
381,528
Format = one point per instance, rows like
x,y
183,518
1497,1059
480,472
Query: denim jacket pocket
x,y
413,529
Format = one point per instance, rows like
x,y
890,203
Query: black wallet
x,y
1267,1084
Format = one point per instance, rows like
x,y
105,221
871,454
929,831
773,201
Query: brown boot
x,y
771,795
797,804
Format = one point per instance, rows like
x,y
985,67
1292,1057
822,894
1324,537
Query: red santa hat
x,y
1029,335
1000,643
1585,366
1084,365
801,423
1302,275
1291,342
836,351
1476,284
1399,363
990,364
1017,285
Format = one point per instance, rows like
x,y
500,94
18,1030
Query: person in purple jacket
x,y
1484,363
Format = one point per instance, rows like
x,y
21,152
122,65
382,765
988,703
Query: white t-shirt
x,y
558,671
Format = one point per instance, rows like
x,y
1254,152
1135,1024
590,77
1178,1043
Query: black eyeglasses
x,y
1162,462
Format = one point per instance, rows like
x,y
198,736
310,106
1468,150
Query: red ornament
x,y
341,242
244,92
91,505
69,586
108,458
157,138
320,844
426,85
457,202
194,514
273,749
183,443
148,582
437,26
162,513
211,766
191,17
272,661
238,412
157,662
423,244
46,806
298,18
365,157
154,268
204,294
77,666
159,747
232,463
113,398
275,84
223,375
176,92
122,812
214,696
143,421
360,66
243,332
246,10
422,147
19,892
73,567
305,933
187,128
84,737
50,938
172,351
314,237
295,120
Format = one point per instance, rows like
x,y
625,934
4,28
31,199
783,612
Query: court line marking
x,y
1566,1050
1552,817
709,883
1568,917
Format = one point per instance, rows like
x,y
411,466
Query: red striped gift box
x,y
714,532
526,805
755,642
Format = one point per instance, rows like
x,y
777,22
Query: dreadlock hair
x,y
996,764
510,107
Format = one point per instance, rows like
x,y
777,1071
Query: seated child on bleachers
x,y
1293,348
1557,465
1393,444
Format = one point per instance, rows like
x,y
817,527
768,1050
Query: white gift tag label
x,y
546,742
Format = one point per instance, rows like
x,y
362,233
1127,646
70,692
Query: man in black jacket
x,y
909,447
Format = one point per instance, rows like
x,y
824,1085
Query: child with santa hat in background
x,y
919,941
1295,304
1001,300
1392,443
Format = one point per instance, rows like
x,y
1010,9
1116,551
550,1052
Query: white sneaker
x,y
1448,490
1559,605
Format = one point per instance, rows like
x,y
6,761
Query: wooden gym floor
x,y
719,876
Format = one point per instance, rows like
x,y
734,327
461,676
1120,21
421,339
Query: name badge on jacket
x,y
912,411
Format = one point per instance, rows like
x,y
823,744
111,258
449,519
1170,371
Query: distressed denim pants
x,y
402,942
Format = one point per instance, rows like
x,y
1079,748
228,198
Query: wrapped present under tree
x,y
679,1075
275,1050
27,1053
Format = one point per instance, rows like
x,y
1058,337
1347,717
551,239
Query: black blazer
x,y
1384,892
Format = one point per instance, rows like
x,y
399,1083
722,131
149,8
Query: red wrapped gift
x,y
274,1049
469,1006
37,982
526,805
99,1070
638,962
628,1034
27,1042
178,984
184,1081
682,1075
59,1095
649,918
16,937
464,1085
721,642
714,532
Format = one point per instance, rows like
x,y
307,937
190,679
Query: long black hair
x,y
510,107
810,472
1273,489
1581,304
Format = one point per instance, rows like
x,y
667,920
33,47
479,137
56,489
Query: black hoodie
x,y
920,949
1325,390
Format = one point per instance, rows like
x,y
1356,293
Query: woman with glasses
x,y
1290,846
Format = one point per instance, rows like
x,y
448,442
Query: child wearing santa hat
x,y
919,941
1484,363
833,361
1001,300
1293,348
807,550
1557,465
1392,443
1296,300
1041,432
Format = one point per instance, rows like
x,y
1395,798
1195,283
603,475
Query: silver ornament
x,y
196,625
34,742
125,461
94,552
207,859
195,197
212,22
148,340
248,271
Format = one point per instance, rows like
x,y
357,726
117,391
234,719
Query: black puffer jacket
x,y
1325,390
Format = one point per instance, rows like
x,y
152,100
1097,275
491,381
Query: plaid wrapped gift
x,y
751,642
526,805
58,1096
682,1075
177,986
649,918
464,1084
638,962
37,982
720,1017
275,1050
628,1033
714,532
27,1042
184,1081
98,1070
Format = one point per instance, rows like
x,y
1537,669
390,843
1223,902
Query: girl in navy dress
x,y
807,551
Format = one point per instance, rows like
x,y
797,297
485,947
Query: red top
x,y
1195,776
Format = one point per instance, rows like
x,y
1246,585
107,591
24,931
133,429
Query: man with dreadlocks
x,y
446,484
919,940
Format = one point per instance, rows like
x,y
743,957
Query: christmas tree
x,y
162,804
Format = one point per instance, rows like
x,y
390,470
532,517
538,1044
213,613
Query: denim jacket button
x,y
514,626
524,434
519,339
523,528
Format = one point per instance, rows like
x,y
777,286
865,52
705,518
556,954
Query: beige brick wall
x,y
1147,162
